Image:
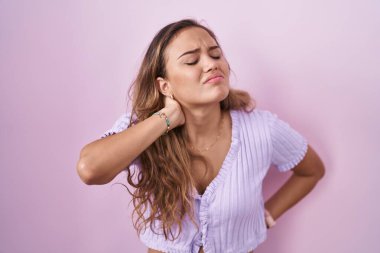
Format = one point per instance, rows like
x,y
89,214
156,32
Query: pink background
x,y
65,67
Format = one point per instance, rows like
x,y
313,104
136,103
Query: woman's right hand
x,y
174,112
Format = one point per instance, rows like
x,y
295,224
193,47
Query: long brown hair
x,y
164,181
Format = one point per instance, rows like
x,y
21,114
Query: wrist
x,y
171,116
163,115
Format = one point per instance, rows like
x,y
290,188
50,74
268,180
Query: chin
x,y
219,96
223,93
214,95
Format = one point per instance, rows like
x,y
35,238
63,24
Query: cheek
x,y
188,76
187,89
224,66
187,81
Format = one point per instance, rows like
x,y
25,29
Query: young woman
x,y
196,151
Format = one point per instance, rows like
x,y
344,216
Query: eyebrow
x,y
197,50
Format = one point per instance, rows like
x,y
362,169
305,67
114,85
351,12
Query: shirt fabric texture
x,y
230,212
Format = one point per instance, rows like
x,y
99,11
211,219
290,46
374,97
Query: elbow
x,y
321,171
92,169
89,174
84,172
85,169
316,163
82,167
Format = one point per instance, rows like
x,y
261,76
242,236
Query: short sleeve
x,y
289,146
119,125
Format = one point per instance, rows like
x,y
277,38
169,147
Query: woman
x,y
201,151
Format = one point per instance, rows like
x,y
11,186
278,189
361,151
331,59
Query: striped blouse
x,y
231,210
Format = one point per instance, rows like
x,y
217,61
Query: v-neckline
x,y
210,189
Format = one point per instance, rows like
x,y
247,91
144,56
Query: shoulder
x,y
121,123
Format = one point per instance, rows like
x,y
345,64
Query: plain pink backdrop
x,y
65,67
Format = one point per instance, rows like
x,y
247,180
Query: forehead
x,y
188,39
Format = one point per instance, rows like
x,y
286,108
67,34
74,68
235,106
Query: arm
x,y
304,178
101,160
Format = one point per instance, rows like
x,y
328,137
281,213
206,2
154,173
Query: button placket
x,y
209,194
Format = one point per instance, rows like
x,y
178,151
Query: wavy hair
x,y
164,180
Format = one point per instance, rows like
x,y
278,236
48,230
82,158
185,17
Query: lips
x,y
214,76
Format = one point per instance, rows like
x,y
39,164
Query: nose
x,y
210,64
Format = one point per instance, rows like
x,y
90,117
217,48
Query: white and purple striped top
x,y
231,210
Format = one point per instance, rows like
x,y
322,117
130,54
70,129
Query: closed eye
x,y
192,63
195,62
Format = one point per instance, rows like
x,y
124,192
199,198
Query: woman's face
x,y
192,57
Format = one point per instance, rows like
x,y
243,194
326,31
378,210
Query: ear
x,y
163,86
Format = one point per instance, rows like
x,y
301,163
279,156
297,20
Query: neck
x,y
202,124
